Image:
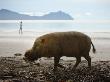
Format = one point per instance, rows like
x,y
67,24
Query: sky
x,y
78,9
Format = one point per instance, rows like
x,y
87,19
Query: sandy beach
x,y
23,21
14,69
12,42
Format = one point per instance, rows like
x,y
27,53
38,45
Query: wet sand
x,y
12,42
15,70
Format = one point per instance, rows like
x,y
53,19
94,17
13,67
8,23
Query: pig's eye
x,y
42,40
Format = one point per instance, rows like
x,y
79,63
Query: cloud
x,y
27,13
88,13
40,13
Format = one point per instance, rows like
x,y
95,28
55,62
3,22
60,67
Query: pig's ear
x,y
42,40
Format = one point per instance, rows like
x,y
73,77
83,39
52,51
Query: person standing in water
x,y
20,29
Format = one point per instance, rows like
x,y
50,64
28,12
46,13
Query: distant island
x,y
11,15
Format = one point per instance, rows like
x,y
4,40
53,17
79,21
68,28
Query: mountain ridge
x,y
11,15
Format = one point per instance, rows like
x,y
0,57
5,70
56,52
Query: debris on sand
x,y
12,70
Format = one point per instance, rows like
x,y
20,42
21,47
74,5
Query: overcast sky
x,y
78,9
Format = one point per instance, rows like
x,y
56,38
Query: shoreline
x,y
12,43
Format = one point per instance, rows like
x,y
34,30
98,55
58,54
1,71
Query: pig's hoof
x,y
38,64
89,68
61,66
74,68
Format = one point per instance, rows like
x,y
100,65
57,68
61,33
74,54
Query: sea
x,y
101,28
56,25
98,30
